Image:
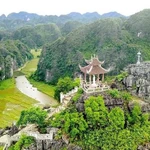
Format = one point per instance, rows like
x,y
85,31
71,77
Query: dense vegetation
x,y
33,115
98,128
69,39
24,142
65,85
113,40
13,54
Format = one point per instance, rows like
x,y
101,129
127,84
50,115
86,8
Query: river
x,y
26,88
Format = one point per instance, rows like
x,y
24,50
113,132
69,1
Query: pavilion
x,y
94,71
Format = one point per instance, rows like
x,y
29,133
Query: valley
x,y
40,65
14,101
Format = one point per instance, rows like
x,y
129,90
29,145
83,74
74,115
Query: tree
x,y
71,123
64,85
32,115
96,112
116,118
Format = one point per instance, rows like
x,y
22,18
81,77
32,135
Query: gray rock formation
x,y
138,80
7,67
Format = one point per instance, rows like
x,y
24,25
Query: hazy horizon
x,y
63,7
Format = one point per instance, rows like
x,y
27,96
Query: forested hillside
x,y
68,39
116,41
13,54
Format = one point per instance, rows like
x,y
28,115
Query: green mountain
x,y
13,54
37,36
113,40
17,20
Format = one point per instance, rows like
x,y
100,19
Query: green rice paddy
x,y
12,102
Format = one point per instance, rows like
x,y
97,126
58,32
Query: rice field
x,y
12,102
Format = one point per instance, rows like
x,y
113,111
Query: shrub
x,y
24,142
32,115
77,95
114,93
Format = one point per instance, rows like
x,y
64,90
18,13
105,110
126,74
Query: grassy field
x,y
12,102
1,147
31,66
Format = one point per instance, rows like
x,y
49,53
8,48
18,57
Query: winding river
x,y
26,88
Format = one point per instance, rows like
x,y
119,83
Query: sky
x,y
59,7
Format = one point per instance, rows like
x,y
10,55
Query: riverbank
x,y
28,89
12,102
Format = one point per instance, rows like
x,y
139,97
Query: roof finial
x,y
139,58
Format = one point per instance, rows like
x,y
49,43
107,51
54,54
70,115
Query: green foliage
x,y
32,115
137,118
38,35
121,76
77,95
71,123
64,85
99,128
114,135
24,142
96,112
5,84
116,118
126,96
114,93
13,54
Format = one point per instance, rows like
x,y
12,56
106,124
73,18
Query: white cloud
x,y
52,7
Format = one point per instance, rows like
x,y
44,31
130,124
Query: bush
x,y
32,115
65,85
115,93
24,142
77,95
121,76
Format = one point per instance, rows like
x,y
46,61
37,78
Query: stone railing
x,y
70,93
96,89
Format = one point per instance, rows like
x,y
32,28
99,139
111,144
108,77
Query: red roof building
x,y
94,69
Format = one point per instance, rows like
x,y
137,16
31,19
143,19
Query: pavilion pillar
x,y
85,77
98,78
103,77
93,79
90,79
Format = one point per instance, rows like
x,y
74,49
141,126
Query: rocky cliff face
x,y
7,67
13,54
138,80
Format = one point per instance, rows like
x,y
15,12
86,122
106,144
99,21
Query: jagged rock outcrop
x,y
111,102
138,80
108,100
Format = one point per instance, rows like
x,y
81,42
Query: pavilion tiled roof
x,y
94,67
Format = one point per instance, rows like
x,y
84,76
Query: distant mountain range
x,y
74,15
